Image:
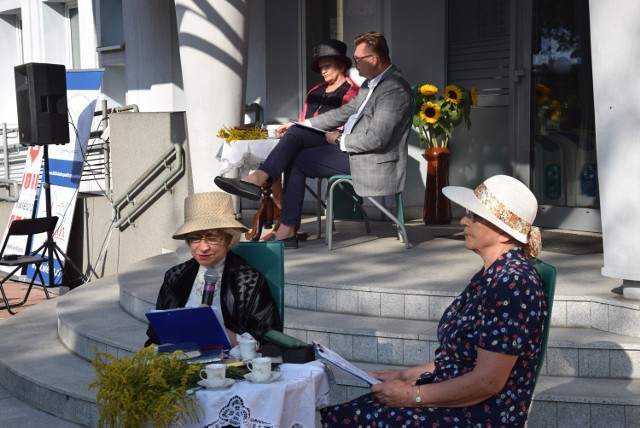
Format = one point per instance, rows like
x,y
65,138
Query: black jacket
x,y
247,304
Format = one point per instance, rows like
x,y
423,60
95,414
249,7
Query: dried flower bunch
x,y
241,133
145,389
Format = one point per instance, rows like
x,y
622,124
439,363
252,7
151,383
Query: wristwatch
x,y
418,397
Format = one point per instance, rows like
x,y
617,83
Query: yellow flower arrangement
x,y
435,117
548,111
241,133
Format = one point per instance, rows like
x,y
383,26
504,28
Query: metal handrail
x,y
123,221
6,181
10,184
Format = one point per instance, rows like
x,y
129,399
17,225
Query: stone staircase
x,y
378,307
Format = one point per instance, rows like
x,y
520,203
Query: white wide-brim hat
x,y
205,211
503,201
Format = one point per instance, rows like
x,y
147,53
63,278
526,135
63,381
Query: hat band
x,y
499,210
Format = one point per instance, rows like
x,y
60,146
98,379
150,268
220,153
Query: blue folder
x,y
200,325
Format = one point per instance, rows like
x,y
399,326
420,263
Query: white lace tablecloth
x,y
288,402
243,156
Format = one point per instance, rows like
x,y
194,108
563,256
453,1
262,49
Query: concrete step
x,y
37,369
106,326
579,352
53,374
16,413
381,295
91,320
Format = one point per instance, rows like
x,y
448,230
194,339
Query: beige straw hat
x,y
205,211
503,201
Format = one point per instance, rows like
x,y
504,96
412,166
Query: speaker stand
x,y
51,248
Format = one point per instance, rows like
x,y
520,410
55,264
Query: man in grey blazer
x,y
372,146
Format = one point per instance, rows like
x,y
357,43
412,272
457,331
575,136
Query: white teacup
x,y
272,131
214,374
261,368
248,348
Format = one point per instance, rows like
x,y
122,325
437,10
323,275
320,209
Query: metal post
x,y
105,152
47,194
5,148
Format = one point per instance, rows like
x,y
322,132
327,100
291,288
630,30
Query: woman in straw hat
x,y
242,293
490,336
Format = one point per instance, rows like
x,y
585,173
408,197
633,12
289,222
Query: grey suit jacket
x,y
377,145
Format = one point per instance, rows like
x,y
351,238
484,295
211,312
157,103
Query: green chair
x,y
268,258
336,181
548,275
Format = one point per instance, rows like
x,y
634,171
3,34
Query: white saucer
x,y
227,383
274,376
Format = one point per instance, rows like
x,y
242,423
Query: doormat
x,y
563,242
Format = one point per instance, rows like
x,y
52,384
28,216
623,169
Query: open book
x,y
333,358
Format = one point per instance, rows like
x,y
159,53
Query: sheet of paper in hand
x,y
310,127
331,357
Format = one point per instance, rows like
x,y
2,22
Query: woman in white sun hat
x,y
242,293
490,336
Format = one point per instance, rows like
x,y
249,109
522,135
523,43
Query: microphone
x,y
209,290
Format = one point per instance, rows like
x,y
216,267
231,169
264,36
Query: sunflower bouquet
x,y
548,110
435,117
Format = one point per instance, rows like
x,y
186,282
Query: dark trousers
x,y
299,154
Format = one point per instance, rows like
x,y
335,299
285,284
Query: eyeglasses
x,y
473,217
211,240
356,59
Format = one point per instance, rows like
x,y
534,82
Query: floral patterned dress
x,y
502,310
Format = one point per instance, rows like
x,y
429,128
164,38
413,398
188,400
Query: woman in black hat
x,y
331,61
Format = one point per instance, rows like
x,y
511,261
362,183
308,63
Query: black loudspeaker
x,y
41,95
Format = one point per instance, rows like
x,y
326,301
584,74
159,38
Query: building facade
x,y
531,62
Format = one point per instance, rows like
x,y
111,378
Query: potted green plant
x,y
145,389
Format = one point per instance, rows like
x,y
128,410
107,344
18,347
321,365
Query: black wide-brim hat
x,y
330,49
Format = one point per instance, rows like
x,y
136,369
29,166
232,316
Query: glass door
x,y
564,171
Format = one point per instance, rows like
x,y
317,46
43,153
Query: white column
x,y
616,60
213,46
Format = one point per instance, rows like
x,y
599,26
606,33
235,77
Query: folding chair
x,y
28,228
268,258
548,274
338,180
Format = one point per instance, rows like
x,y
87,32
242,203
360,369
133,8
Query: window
x,y
74,35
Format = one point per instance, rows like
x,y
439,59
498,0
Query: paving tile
x,y
572,415
578,314
392,305
417,307
347,301
415,352
369,303
307,297
365,349
594,362
600,316
542,414
632,416
607,415
342,344
327,299
625,364
390,351
562,361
